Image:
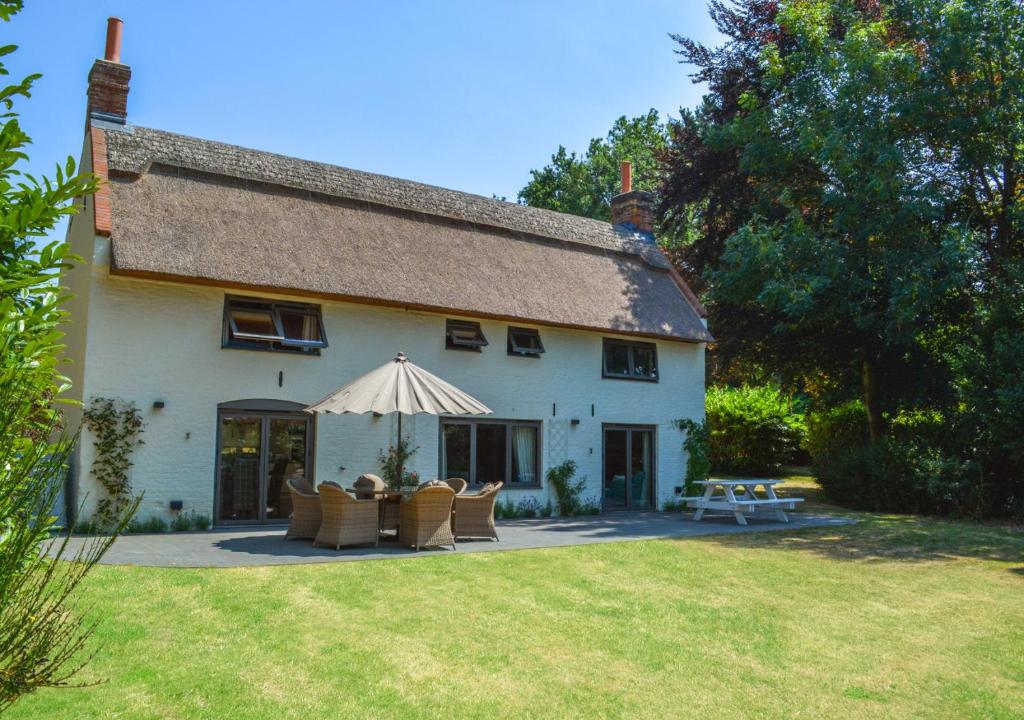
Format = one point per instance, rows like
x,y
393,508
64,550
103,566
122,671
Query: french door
x,y
257,453
628,468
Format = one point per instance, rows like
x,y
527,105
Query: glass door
x,y
628,469
257,455
240,455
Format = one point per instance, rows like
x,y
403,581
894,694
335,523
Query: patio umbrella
x,y
399,387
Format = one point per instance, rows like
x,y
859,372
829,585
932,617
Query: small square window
x,y
524,341
464,335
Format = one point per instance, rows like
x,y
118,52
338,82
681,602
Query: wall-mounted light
x,y
574,422
158,404
177,504
678,489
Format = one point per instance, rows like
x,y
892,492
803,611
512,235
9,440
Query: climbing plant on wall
x,y
115,426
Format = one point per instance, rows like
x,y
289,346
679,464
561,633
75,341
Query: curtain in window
x,y
524,445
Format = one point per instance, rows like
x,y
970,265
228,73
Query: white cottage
x,y
224,289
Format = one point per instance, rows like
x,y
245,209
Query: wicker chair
x,y
456,484
346,521
365,485
304,521
426,518
473,515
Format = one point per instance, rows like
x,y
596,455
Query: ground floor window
x,y
483,451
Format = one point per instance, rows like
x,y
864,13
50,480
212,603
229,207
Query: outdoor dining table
x,y
386,496
745,501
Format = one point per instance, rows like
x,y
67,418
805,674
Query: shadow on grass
x,y
896,537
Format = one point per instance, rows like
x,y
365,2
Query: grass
x,y
894,617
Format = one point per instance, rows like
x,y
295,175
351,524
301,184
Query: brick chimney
x,y
633,209
108,80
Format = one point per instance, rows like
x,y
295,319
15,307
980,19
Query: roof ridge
x,y
133,149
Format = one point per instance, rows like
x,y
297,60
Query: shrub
x,y
754,429
673,505
698,453
528,507
153,524
202,522
182,522
906,476
833,430
567,492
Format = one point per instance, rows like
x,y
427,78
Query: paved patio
x,y
239,547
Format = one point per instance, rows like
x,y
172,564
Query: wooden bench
x,y
747,502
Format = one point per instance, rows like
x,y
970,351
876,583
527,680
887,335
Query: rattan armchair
x,y
346,520
304,522
456,484
368,487
426,518
473,515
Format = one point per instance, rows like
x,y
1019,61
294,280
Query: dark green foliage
x,y
698,454
832,430
202,522
182,522
673,505
584,185
902,476
754,429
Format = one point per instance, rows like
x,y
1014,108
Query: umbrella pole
x,y
399,429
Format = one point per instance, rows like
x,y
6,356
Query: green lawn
x,y
894,617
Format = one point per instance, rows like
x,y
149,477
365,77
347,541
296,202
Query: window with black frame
x,y
630,360
483,451
259,324
524,342
464,335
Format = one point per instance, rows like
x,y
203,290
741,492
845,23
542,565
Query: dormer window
x,y
525,342
258,324
464,335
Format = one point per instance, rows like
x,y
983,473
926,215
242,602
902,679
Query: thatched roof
x,y
200,211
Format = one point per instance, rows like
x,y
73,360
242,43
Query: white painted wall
x,y
150,340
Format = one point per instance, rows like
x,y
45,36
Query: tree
x,y
585,184
851,193
41,638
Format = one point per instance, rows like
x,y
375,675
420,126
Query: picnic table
x,y
722,495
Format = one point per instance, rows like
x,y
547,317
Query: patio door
x,y
256,455
628,468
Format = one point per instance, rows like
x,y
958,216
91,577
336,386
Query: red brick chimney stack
x,y
108,80
633,210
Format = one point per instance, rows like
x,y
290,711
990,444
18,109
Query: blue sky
x,y
467,95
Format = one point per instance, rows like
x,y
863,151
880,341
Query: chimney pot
x,y
626,168
113,51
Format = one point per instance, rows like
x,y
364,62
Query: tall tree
x,y
41,637
585,184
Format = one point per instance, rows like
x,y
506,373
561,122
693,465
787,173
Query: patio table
x,y
746,501
386,497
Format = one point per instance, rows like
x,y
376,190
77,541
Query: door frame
x,y
265,410
653,480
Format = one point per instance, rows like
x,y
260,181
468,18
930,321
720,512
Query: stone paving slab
x,y
253,546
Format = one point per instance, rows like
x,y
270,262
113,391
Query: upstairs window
x,y
525,342
256,324
629,360
464,335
